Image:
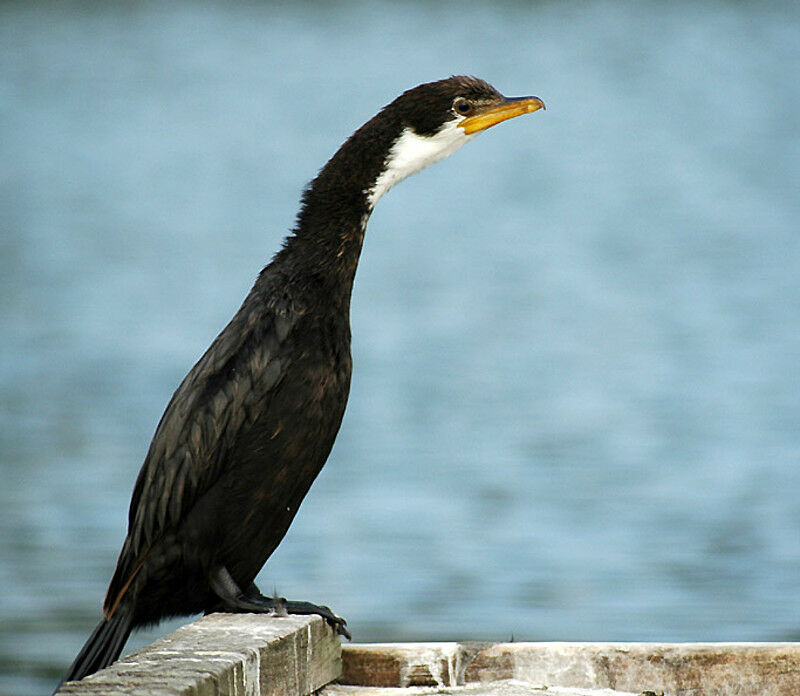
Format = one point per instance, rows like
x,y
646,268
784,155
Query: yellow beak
x,y
489,116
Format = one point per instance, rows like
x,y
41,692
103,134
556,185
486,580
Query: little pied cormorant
x,y
251,425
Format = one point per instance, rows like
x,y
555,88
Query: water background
x,y
575,411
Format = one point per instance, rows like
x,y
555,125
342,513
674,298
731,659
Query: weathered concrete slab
x,y
690,669
505,687
406,664
251,655
226,655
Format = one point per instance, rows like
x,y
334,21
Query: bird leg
x,y
234,600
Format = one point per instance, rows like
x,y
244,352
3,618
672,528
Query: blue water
x,y
575,410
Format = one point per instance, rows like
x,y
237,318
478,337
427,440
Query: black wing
x,y
228,388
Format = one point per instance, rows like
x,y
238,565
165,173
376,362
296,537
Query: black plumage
x,y
251,425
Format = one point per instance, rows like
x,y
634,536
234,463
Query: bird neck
x,y
336,206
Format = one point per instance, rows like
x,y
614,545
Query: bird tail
x,y
103,646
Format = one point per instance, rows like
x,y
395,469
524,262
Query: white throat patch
x,y
412,153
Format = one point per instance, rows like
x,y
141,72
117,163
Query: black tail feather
x,y
102,648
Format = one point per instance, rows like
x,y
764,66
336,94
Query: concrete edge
x,y
232,654
691,669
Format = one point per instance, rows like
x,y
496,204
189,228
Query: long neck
x,y
336,206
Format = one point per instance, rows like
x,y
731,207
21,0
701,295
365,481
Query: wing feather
x,y
228,387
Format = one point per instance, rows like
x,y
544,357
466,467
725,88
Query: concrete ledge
x,y
505,687
230,654
676,669
257,655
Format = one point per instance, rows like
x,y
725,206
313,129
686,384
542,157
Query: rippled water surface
x,y
575,410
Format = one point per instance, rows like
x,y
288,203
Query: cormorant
x,y
249,428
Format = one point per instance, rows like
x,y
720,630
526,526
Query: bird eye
x,y
462,106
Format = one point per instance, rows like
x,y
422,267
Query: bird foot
x,y
337,623
235,601
280,606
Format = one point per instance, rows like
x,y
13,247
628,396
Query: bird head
x,y
432,120
469,103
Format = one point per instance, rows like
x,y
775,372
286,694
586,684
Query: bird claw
x,y
337,623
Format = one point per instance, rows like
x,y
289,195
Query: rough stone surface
x,y
690,669
505,687
226,655
251,655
